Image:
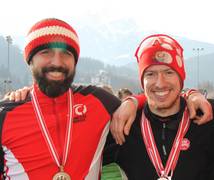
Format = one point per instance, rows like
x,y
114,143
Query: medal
x,y
61,175
163,178
60,162
163,172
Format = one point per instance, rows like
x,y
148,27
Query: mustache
x,y
55,69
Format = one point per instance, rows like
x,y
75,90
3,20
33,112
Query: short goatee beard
x,y
53,88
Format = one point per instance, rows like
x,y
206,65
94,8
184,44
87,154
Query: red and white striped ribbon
x,y
152,150
68,136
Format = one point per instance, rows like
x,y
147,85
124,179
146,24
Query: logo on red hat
x,y
163,56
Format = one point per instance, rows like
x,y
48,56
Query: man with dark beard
x,y
59,131
53,88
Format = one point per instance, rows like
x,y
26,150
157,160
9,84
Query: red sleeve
x,y
141,98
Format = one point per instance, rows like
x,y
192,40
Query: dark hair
x,y
123,92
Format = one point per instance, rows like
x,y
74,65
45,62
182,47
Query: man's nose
x,y
160,80
56,59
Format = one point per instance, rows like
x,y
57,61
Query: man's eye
x,y
170,72
149,74
45,51
67,52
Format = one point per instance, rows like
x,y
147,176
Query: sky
x,y
186,18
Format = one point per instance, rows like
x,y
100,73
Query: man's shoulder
x,y
95,91
7,105
108,100
83,89
211,101
203,129
86,90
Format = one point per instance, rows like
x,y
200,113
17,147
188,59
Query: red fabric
x,y
163,50
51,22
48,37
141,98
27,152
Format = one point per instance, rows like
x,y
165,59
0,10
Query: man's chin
x,y
54,90
54,82
53,85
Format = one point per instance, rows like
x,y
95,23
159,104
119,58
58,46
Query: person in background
x,y
163,142
107,88
123,93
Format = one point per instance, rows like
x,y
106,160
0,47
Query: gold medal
x,y
61,175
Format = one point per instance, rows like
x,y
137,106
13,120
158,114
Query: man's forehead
x,y
158,67
55,48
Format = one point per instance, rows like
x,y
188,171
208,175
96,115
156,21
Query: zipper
x,y
58,128
163,137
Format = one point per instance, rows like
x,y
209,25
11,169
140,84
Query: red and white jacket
x,y
26,155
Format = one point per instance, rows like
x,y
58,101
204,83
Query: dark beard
x,y
53,88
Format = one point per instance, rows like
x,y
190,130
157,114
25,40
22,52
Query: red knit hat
x,y
163,50
51,33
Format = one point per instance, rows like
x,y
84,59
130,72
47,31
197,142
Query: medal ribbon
x,y
152,150
46,133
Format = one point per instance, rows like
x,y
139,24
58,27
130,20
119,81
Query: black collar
x,y
171,122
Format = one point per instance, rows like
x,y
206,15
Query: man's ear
x,y
31,65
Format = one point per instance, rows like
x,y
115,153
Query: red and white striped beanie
x,y
49,33
160,49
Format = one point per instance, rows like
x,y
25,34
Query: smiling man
x,y
54,70
164,143
58,131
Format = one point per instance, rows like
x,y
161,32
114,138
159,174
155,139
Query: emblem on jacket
x,y
185,144
80,111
